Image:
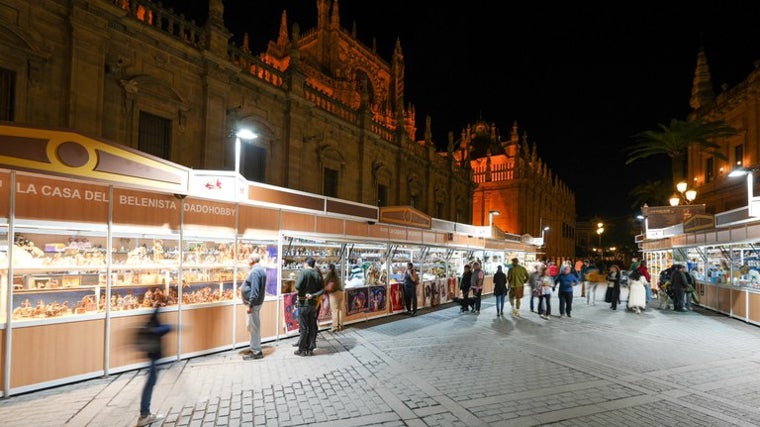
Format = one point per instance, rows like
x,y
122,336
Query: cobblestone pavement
x,y
442,368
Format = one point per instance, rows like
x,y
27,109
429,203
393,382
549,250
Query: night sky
x,y
579,79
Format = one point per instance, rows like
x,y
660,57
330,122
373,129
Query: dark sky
x,y
579,79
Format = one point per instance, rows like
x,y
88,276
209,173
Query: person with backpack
x,y
150,339
253,292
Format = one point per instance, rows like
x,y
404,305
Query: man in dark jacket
x,y
309,286
152,334
678,284
464,286
499,290
257,282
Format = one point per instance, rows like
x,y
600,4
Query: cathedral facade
x,y
739,107
515,190
329,113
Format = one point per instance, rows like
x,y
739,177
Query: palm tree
x,y
674,139
652,193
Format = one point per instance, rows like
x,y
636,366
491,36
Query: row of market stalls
x,y
93,234
721,251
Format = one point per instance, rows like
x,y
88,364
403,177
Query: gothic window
x,y
253,162
330,182
154,135
738,155
709,169
360,78
7,94
382,195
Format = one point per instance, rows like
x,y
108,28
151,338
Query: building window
x,y
154,135
412,199
709,169
7,94
253,162
739,155
330,182
382,195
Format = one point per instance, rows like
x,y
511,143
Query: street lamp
x,y
750,174
492,214
599,231
684,193
247,135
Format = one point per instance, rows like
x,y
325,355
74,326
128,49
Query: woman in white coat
x,y
637,294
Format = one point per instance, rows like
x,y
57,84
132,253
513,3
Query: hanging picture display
x,y
377,298
357,299
290,311
397,297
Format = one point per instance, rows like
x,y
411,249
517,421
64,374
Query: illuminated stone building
x,y
510,178
329,111
738,107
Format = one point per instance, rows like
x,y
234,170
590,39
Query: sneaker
x,y
561,316
254,356
568,315
148,420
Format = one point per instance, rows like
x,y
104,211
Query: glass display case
x,y
57,273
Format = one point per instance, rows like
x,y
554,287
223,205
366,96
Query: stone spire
x,y
335,18
283,40
702,91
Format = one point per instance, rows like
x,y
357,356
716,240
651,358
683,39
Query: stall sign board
x,y
145,208
201,213
43,198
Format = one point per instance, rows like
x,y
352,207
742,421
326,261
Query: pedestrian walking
x,y
637,298
535,287
150,339
613,286
476,285
499,290
335,293
566,280
517,277
545,285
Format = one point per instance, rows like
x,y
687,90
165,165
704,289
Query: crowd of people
x,y
548,278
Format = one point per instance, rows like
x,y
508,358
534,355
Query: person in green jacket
x,y
516,278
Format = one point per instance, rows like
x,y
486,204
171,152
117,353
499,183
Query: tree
x,y
652,193
674,139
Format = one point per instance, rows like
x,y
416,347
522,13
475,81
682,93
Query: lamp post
x,y
248,135
492,214
543,233
599,231
685,194
750,174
